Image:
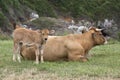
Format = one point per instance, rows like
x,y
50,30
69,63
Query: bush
x,y
112,41
119,36
5,37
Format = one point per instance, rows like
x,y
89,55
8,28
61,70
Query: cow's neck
x,y
86,40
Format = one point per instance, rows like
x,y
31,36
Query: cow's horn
x,y
98,29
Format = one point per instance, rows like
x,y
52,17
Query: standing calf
x,y
38,38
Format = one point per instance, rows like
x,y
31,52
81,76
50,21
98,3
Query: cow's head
x,y
45,33
97,36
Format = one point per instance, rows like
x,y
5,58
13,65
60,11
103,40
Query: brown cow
x,y
38,37
72,47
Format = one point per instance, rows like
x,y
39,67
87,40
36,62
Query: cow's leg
x,y
73,57
87,55
77,55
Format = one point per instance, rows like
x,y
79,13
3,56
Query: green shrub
x,y
2,18
5,37
119,36
112,41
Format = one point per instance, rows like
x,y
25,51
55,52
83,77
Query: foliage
x,y
119,35
19,10
95,9
41,6
5,37
2,18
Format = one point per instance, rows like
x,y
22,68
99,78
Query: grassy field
x,y
103,64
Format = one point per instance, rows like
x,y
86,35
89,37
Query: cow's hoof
x,y
19,61
14,61
42,61
84,60
36,62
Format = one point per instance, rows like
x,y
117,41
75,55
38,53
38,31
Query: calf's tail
x,y
20,47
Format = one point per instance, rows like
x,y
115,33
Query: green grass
x,y
104,62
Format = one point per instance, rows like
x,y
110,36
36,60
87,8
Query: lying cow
x,y
38,37
72,47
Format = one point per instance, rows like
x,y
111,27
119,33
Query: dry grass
x,y
34,74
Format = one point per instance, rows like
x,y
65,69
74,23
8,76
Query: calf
x,y
38,37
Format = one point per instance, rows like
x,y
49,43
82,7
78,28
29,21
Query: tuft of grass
x,y
104,63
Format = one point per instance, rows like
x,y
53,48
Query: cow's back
x,y
57,47
25,35
54,49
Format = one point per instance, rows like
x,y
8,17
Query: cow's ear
x,y
92,29
52,31
93,35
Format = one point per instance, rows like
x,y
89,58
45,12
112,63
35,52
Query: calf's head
x,y
98,36
45,33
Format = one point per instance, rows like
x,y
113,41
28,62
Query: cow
x,y
38,37
72,47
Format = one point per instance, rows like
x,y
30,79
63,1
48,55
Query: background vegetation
x,y
19,10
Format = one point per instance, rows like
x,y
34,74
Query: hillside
x,y
94,10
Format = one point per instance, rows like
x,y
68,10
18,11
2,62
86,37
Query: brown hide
x,y
72,47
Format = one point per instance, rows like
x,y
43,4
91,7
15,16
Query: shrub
x,y
5,37
119,36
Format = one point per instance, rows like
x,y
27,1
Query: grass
x,y
103,64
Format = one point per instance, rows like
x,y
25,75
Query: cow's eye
x,y
43,34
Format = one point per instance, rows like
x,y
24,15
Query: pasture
x,y
103,64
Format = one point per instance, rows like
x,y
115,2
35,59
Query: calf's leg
x,y
42,61
14,52
37,53
18,55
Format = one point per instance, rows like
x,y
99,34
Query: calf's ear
x,y
52,31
